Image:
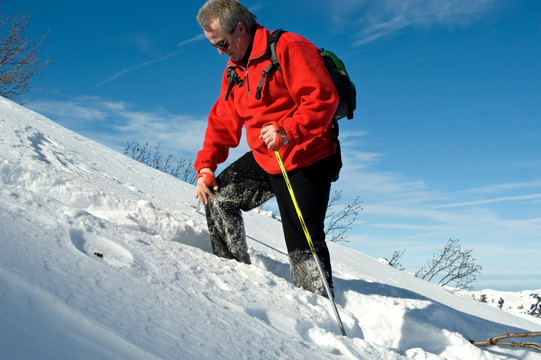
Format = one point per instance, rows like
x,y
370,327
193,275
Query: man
x,y
292,116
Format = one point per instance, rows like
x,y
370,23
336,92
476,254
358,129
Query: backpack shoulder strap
x,y
233,79
274,64
273,40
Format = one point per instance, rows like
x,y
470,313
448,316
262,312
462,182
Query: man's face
x,y
229,44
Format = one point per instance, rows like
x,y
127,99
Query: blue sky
x,y
445,142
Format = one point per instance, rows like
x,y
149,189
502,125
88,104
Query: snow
x,y
105,258
519,302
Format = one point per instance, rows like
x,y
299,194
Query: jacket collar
x,y
259,45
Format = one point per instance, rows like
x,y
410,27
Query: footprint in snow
x,y
101,248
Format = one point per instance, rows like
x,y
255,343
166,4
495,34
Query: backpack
x,y
337,70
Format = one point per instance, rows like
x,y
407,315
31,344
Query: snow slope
x,y
102,257
519,302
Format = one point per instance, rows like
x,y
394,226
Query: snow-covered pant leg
x,y
305,272
242,186
312,186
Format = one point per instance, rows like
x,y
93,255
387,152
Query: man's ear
x,y
242,27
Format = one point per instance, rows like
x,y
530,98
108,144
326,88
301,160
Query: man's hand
x,y
206,185
274,136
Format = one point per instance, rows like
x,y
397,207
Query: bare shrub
x,y
19,57
179,168
451,265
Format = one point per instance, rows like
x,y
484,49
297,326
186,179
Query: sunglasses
x,y
224,44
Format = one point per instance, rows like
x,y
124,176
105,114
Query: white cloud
x,y
504,187
494,200
150,62
195,38
145,44
114,123
372,20
136,67
74,109
400,212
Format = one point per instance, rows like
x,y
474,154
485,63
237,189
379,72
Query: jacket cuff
x,y
291,135
205,165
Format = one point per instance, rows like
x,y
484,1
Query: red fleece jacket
x,y
302,99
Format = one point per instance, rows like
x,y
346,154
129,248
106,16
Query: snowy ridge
x,y
527,302
103,257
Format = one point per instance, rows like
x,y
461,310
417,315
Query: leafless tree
x,y
395,259
179,168
451,265
340,219
535,309
19,57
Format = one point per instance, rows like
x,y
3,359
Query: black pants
x,y
244,186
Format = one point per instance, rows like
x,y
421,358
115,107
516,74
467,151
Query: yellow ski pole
x,y
310,243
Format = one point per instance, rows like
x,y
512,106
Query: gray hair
x,y
228,13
